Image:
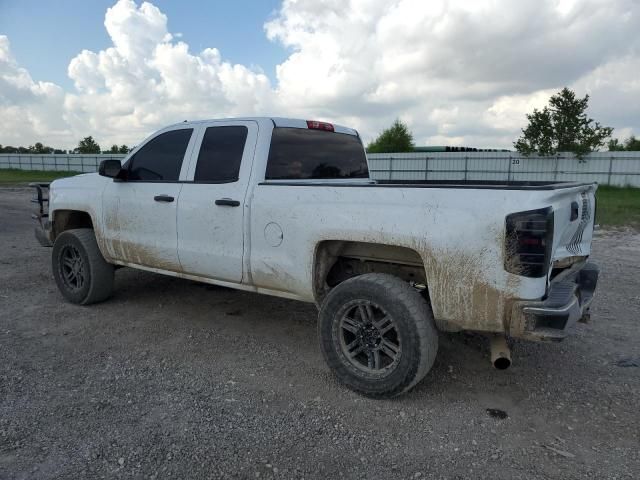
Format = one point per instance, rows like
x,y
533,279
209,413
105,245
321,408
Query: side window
x,y
160,160
220,154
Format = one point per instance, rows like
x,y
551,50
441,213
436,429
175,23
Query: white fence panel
x,y
73,163
607,168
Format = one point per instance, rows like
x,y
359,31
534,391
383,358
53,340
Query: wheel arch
x,y
68,219
337,260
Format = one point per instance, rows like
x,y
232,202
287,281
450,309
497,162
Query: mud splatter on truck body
x,y
298,239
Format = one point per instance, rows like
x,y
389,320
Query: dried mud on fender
x,y
460,292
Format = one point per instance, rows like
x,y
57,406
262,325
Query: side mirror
x,y
110,168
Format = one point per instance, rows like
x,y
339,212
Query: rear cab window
x,y
306,154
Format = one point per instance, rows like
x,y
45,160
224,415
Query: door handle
x,y
163,198
227,202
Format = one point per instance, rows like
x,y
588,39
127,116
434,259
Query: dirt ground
x,y
175,379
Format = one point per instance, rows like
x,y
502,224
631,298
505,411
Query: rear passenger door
x,y
211,206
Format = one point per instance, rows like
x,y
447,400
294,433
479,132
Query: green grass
x,y
618,206
15,176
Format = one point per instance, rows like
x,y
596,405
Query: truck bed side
x,y
458,235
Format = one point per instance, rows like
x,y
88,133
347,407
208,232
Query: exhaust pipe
x,y
500,352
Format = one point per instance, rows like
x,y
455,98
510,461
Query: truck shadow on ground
x,y
288,328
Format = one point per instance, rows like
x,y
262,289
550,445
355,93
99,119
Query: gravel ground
x,y
175,379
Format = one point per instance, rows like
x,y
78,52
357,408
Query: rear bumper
x,y
568,300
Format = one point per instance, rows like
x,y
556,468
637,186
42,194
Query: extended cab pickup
x,y
286,207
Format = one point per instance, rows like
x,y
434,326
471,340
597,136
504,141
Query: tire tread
x,y
101,272
419,311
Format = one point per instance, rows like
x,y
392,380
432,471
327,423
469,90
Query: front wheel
x,y
82,274
377,334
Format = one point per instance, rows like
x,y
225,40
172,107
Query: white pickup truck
x,y
286,207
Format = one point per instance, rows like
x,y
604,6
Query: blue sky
x,y
46,35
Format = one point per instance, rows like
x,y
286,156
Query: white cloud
x,y
147,80
458,72
26,105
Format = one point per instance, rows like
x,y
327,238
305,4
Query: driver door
x,y
139,213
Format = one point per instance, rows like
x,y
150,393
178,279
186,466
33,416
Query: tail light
x,y
315,125
528,242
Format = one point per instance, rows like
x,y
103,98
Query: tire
x,y
81,272
354,322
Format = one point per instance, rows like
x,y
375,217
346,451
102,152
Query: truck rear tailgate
x,y
574,216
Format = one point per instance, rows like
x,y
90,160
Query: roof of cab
x,y
277,122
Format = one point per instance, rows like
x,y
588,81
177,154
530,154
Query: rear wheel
x,y
377,334
82,274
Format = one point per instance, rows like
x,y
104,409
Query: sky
x,y
457,72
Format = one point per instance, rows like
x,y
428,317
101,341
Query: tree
x,y
563,126
615,145
87,145
117,149
631,144
396,138
39,148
